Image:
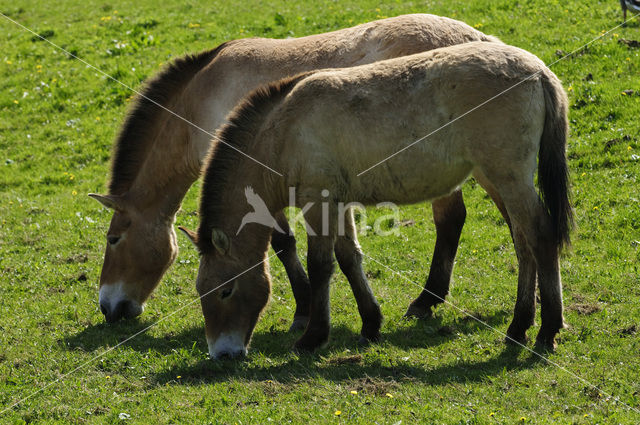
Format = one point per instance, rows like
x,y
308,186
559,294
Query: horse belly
x,y
411,180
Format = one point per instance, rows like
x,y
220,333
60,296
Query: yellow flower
x,y
97,118
523,419
15,101
179,376
74,193
478,25
354,392
595,208
38,66
337,413
107,377
389,395
193,25
583,174
9,62
629,148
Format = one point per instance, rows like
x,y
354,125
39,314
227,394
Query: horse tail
x,y
553,172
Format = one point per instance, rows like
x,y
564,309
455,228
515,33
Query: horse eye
x,y
225,293
112,239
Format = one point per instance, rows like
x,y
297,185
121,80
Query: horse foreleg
x,y
349,258
449,214
320,267
285,246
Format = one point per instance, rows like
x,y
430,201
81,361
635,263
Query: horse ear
x,y
193,236
109,201
220,241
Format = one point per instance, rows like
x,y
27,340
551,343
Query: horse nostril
x,y
229,355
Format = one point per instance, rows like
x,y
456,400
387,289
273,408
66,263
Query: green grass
x,y
58,119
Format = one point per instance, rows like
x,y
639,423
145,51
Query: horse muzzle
x,y
123,309
227,346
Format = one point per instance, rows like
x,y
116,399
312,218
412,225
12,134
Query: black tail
x,y
553,173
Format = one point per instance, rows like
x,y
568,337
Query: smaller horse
x,y
321,130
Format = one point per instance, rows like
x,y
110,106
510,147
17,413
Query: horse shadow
x,y
132,334
326,365
411,334
341,361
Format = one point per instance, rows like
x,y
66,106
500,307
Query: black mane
x,y
134,139
233,138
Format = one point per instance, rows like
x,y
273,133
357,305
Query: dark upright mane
x,y
237,135
133,141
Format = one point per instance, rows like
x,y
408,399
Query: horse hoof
x,y
363,342
516,340
546,343
308,345
418,312
299,323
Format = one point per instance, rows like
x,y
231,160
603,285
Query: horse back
x,y
339,123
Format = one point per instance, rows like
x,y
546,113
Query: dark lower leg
x,y
349,259
285,247
525,309
449,214
320,266
550,297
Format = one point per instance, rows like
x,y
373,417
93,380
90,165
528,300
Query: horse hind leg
x,y
525,308
531,220
285,246
349,258
449,214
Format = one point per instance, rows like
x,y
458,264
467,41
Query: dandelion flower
x,y
337,413
354,392
74,193
389,395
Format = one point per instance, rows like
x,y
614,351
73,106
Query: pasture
x,y
59,118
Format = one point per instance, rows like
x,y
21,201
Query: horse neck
x,y
253,237
169,168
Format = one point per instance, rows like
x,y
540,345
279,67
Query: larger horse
x,y
164,139
322,130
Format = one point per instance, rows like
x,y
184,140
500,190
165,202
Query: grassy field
x,y
58,119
